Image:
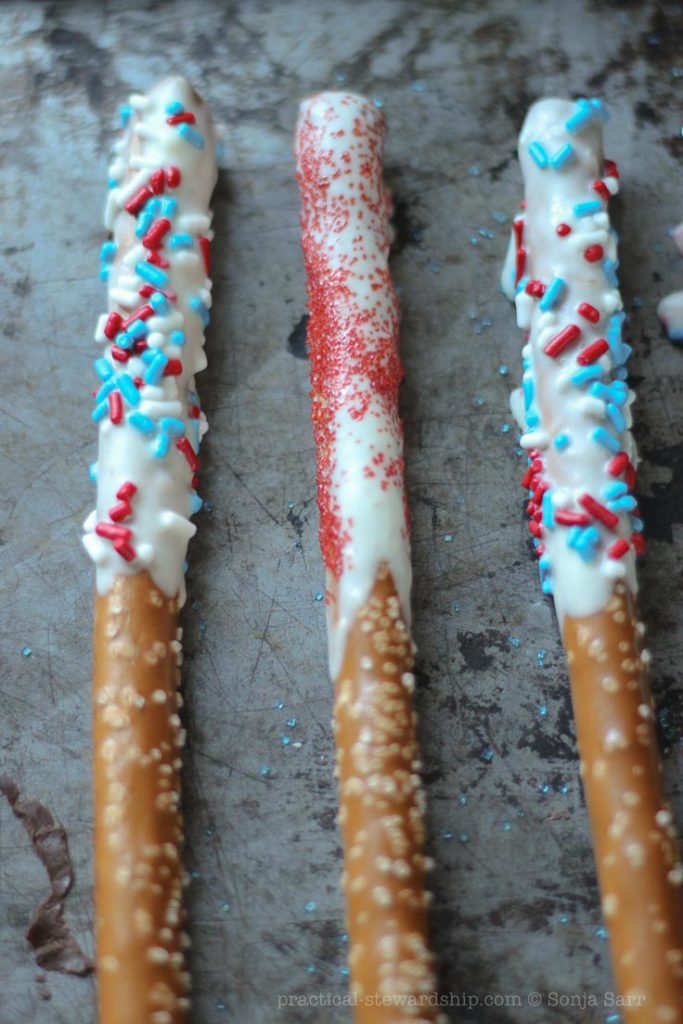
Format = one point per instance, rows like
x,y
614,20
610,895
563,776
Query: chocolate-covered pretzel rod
x,y
150,426
575,409
355,375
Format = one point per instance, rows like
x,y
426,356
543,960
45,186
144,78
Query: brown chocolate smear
x,y
55,946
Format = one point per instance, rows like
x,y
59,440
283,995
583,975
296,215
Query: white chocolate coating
x,y
670,309
165,497
353,341
562,413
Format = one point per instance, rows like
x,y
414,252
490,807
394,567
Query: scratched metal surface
x,y
516,906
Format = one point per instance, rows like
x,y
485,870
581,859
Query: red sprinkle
x,y
611,169
119,354
125,550
115,407
540,548
157,259
195,481
630,477
143,313
563,229
618,549
520,263
592,352
112,326
184,446
518,228
113,532
173,368
126,491
119,512
535,529
588,312
566,518
194,412
205,247
593,253
598,511
187,117
602,190
173,177
157,180
638,542
138,381
149,289
560,341
535,288
155,236
617,465
138,200
140,346
527,478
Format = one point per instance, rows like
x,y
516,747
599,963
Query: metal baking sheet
x,y
516,907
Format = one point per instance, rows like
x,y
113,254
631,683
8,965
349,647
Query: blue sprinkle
x,y
562,157
145,221
506,826
614,490
92,471
548,511
486,755
155,370
345,970
148,355
610,269
279,705
103,369
168,206
264,771
125,113
599,108
532,419
573,536
291,723
143,423
448,538
538,154
609,393
616,416
128,389
153,275
105,390
108,252
177,338
311,969
378,101
613,1018
499,217
175,107
181,241
625,504
503,371
160,446
562,441
528,391
637,524
521,285
160,304
464,837
311,906
26,652
581,117
542,710
540,657
285,741
564,789
318,596
607,440
172,426
198,307
104,273
587,373
191,135
552,294
124,340
515,641
545,787
195,504
587,542
138,329
99,412
589,207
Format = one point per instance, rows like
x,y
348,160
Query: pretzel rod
x,y
150,427
355,376
575,409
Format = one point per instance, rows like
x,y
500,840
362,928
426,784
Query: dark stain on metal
x,y
55,946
